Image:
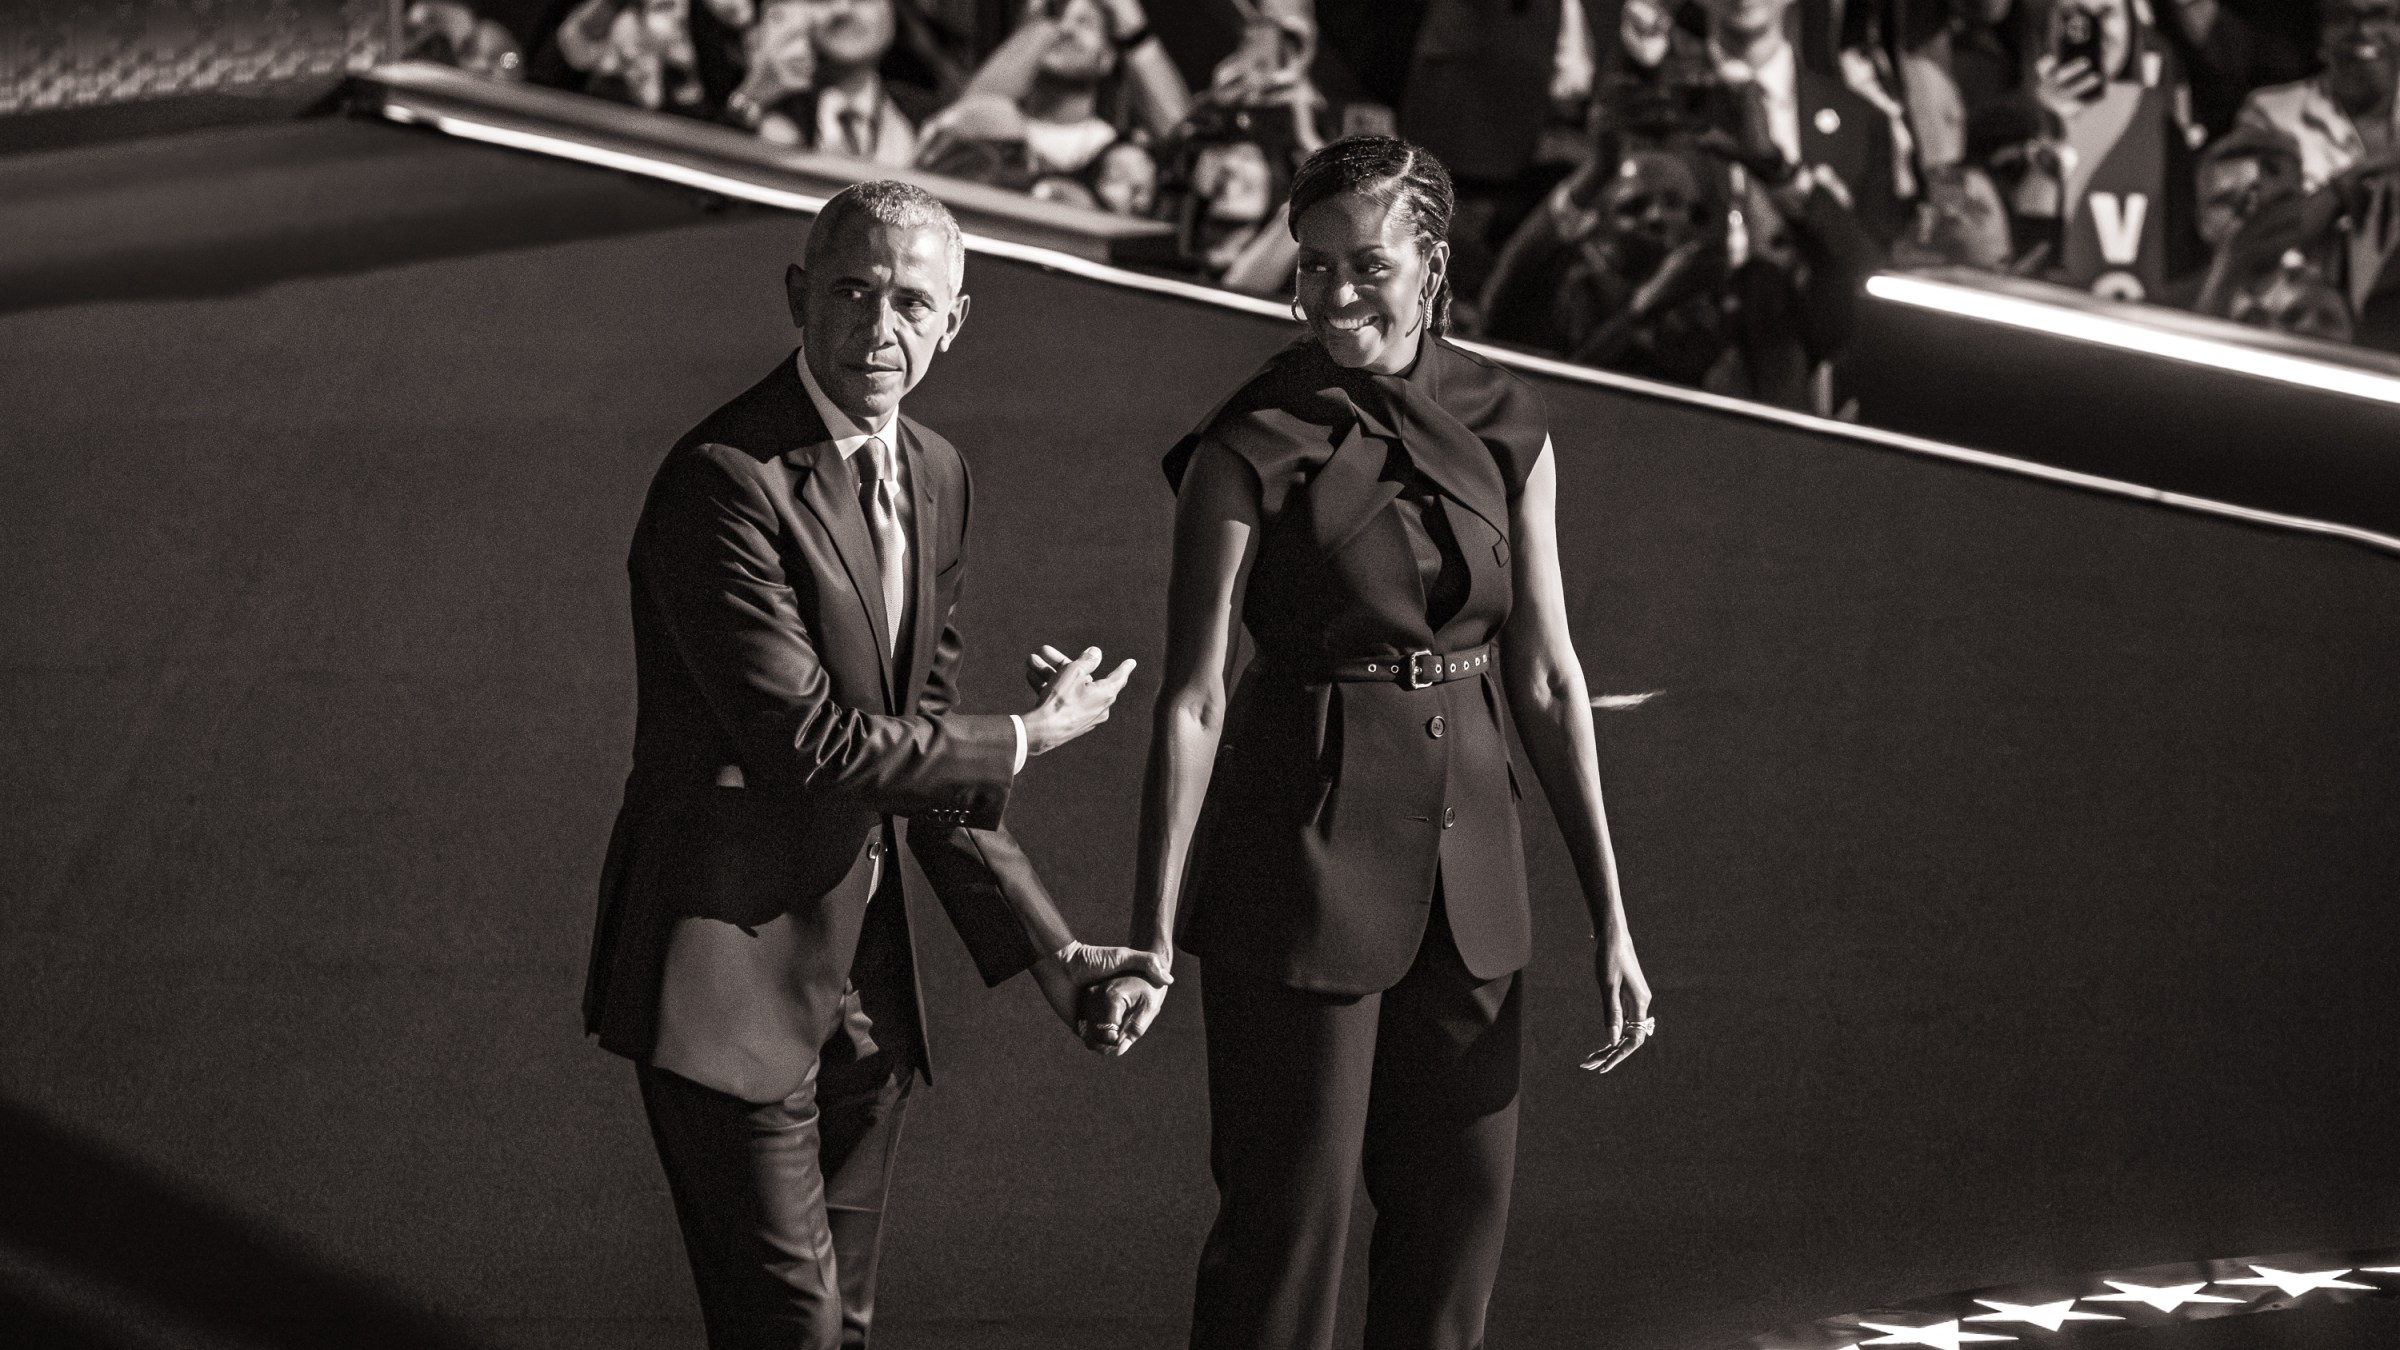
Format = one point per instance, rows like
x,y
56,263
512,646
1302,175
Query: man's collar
x,y
1781,70
846,434
867,102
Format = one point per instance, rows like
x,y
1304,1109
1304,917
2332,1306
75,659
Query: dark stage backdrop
x,y
2013,864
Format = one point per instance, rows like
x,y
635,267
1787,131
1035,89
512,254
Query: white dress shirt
x,y
890,140
1573,69
1067,147
849,438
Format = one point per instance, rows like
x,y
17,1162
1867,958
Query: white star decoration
x,y
2165,1298
2384,1270
2047,1316
2295,1283
1941,1335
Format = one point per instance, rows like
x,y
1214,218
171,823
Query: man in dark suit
x,y
1482,75
795,574
822,75
1777,106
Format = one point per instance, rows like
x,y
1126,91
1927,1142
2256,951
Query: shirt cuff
x,y
1019,724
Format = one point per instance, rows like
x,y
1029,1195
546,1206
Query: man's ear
x,y
957,320
795,292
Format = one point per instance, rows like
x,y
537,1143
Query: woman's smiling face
x,y
1363,281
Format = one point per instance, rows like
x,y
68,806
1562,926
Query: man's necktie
x,y
854,133
879,494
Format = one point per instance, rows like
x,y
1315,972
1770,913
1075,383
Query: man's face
x,y
2359,41
1745,18
1082,52
1235,180
1970,225
1654,205
875,304
2228,187
851,34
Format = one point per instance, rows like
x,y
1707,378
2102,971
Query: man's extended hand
x,y
1072,701
1065,976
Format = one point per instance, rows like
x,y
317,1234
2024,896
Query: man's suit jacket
x,y
904,108
729,916
1844,132
1478,87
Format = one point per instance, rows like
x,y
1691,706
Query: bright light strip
x,y
2126,335
742,189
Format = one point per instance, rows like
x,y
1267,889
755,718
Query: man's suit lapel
x,y
828,487
924,626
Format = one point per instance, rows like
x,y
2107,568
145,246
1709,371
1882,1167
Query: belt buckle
x,y
1424,670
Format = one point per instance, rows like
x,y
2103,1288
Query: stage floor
x,y
2013,864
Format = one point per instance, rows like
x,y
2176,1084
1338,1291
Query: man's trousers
x,y
781,1203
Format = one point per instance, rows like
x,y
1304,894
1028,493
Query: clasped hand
x,y
1095,989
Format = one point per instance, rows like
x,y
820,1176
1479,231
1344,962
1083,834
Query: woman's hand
x,y
1119,1012
1627,995
1065,976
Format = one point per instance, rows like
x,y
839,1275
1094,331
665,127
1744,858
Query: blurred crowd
x,y
1688,190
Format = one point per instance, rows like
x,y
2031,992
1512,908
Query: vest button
x,y
1436,727
1449,816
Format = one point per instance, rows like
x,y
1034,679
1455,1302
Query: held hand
x,y
1627,995
1072,701
1117,1013
1070,976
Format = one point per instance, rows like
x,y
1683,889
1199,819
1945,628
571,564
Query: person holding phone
x,y
1378,508
1052,72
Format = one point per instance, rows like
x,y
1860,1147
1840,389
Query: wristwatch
x,y
1134,39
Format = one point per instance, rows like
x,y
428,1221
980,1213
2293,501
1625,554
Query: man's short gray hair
x,y
890,202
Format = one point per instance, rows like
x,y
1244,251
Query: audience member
x,y
2298,299
1053,71
1226,169
1125,180
2345,114
1714,224
1782,121
630,51
1633,282
1962,223
450,33
2225,54
816,79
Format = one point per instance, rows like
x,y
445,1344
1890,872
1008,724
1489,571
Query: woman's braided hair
x,y
1402,177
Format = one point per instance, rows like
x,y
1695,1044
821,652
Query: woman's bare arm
x,y
1216,532
1553,709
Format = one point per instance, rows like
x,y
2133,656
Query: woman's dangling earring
x,y
1297,316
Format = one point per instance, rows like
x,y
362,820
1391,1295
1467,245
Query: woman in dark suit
x,y
1377,508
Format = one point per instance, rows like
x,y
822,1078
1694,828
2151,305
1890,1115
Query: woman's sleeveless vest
x,y
1334,805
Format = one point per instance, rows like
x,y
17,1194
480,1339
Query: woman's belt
x,y
1409,670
